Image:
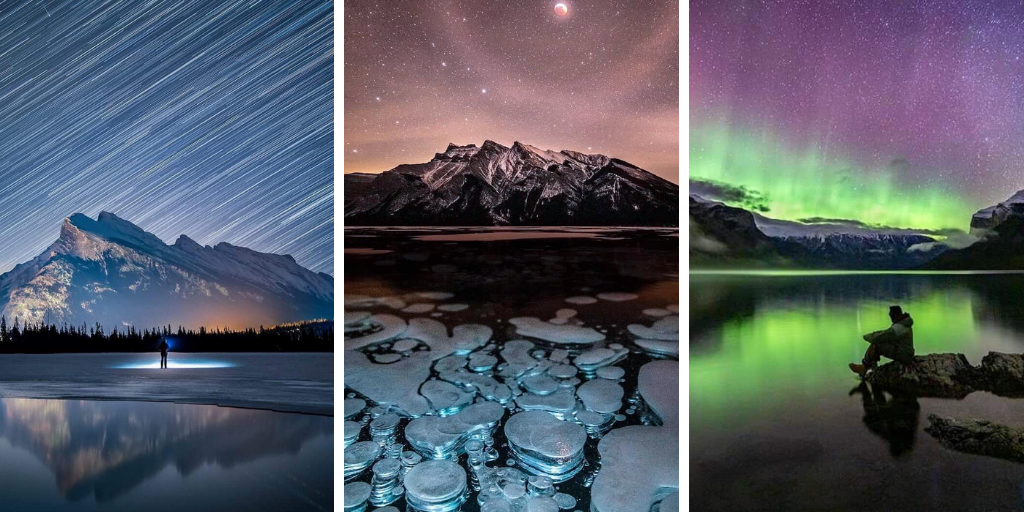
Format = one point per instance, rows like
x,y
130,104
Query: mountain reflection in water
x,y
107,448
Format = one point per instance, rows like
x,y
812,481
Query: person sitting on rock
x,y
896,342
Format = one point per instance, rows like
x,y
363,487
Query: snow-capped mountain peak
x,y
988,218
111,271
519,184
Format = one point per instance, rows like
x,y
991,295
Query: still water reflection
x,y
106,455
777,421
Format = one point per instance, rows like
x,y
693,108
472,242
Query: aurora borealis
x,y
905,113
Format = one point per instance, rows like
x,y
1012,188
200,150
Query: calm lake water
x,y
493,275
80,455
777,421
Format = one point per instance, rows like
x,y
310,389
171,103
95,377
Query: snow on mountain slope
x,y
988,218
518,185
112,272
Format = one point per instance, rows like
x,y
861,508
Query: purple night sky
x,y
915,100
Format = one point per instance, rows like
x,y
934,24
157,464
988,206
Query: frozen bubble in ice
x,y
562,371
591,360
419,307
581,299
444,396
356,494
540,384
354,406
359,456
356,318
590,418
433,436
564,501
482,362
403,379
611,372
564,334
440,437
669,348
386,468
514,489
453,308
657,312
388,508
404,345
565,313
639,462
665,329
464,339
435,485
517,357
600,395
387,328
558,354
546,444
450,363
436,295
352,430
541,504
560,402
617,296
673,308
386,358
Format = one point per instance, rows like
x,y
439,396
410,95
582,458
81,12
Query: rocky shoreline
x,y
979,437
952,376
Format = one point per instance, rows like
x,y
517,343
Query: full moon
x,y
561,9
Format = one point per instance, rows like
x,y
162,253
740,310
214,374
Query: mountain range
x,y
109,271
494,185
730,237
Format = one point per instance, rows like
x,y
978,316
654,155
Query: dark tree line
x,y
40,338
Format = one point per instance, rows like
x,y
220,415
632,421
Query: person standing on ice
x,y
163,352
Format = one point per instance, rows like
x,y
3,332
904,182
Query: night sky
x,y
210,119
603,78
903,113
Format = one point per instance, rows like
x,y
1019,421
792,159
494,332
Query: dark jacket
x,y
163,347
896,342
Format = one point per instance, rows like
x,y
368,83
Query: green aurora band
x,y
809,182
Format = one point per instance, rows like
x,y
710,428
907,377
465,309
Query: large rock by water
x,y
938,375
978,437
952,376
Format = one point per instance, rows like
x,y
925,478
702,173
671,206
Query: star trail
x,y
601,78
210,119
905,113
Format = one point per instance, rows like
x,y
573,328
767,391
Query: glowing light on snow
x,y
171,364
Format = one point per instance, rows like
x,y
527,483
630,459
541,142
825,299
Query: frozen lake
x,y
290,382
511,369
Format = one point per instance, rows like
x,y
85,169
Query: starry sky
x,y
212,119
603,78
904,113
